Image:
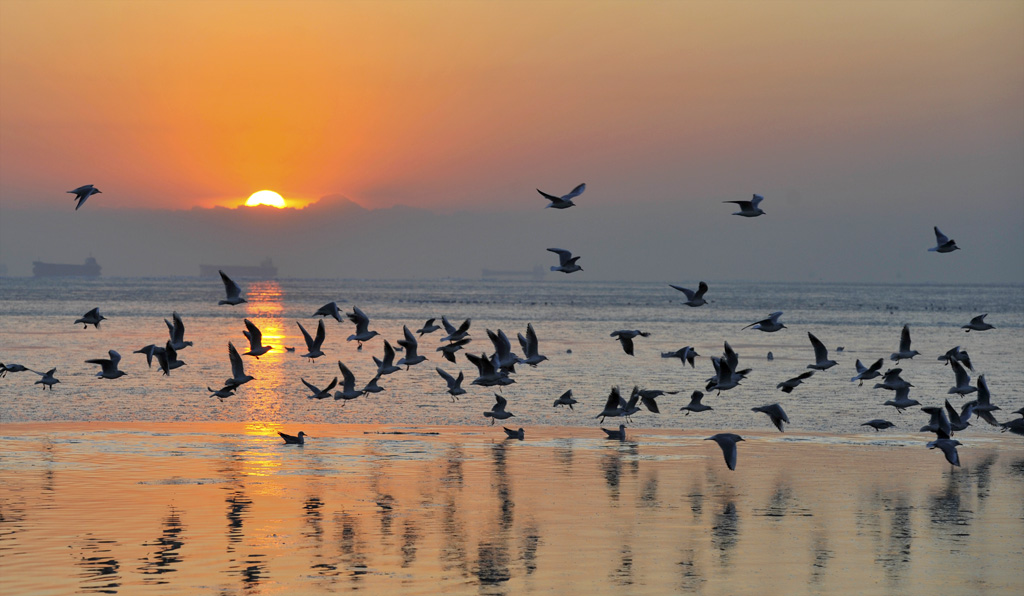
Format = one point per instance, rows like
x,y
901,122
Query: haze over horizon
x,y
863,125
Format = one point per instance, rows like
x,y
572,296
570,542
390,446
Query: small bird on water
x,y
299,439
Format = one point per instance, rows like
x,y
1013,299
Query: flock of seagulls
x,y
497,368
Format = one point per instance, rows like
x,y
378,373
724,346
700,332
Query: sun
x,y
266,197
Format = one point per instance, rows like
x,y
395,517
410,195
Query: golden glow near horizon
x,y
266,197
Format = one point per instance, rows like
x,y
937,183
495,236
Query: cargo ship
x,y
89,269
265,270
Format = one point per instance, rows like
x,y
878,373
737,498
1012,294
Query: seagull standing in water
x,y
232,291
904,353
566,262
978,324
497,411
564,201
82,193
108,366
514,434
749,208
93,317
616,435
694,298
255,337
821,361
727,441
943,243
313,345
769,325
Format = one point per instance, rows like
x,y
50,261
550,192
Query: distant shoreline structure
x,y
89,269
265,270
536,273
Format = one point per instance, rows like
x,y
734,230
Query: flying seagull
x,y
362,322
497,411
238,376
566,262
770,324
727,441
684,354
564,201
108,366
625,337
454,384
47,380
411,346
865,373
789,385
428,327
693,298
695,405
177,332
317,392
821,361
255,337
749,208
566,399
93,317
232,291
348,385
775,413
313,345
529,345
84,192
904,353
329,310
943,243
978,324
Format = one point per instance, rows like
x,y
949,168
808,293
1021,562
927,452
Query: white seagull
x,y
566,262
231,290
564,201
978,324
943,243
821,361
749,208
770,324
47,380
727,441
84,192
255,337
904,353
693,298
108,366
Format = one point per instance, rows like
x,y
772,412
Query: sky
x,y
411,136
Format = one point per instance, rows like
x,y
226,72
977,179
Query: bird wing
x,y
575,192
321,333
962,378
689,293
305,336
905,339
230,287
754,202
237,369
178,330
563,255
254,334
450,380
820,351
940,238
348,379
500,403
701,289
313,388
549,197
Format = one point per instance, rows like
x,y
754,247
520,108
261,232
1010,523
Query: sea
x,y
147,484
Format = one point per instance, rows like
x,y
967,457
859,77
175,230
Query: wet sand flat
x,y
229,509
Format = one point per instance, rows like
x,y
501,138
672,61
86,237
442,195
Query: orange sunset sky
x,y
177,104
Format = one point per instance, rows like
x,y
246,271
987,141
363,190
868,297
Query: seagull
x,y
963,380
684,354
177,332
892,380
329,310
238,376
789,385
372,386
625,337
694,298
313,345
504,358
108,366
865,373
93,317
821,361
727,441
978,324
497,411
878,424
902,400
411,345
514,434
983,406
348,385
749,208
948,447
428,327
726,378
566,399
299,439
775,412
695,405
959,421
938,423
1016,426
317,392
222,392
613,406
84,192
231,289
168,358
490,374
956,353
770,324
47,380
387,365
618,435
564,201
566,262
455,334
529,345
362,322
943,243
6,368
904,353
255,337
454,384
449,350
